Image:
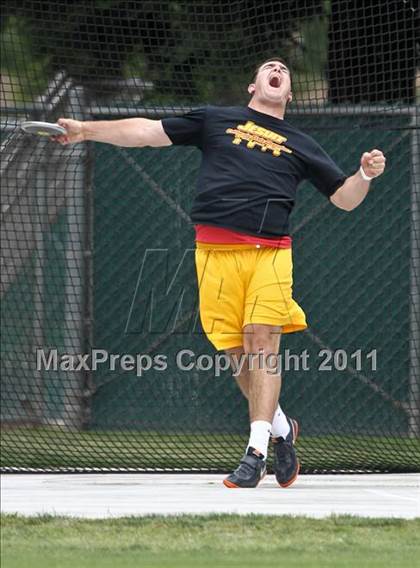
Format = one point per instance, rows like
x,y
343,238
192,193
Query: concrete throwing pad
x,y
117,495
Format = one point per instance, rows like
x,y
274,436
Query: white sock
x,y
260,436
279,426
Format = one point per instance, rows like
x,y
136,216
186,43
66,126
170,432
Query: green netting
x,y
93,235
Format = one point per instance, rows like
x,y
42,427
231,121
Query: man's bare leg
x,y
259,379
239,365
259,343
264,390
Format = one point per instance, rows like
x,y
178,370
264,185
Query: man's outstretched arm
x,y
129,132
355,188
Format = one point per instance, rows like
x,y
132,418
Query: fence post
x,y
414,370
74,288
39,224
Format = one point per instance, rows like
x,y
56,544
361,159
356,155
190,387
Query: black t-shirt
x,y
252,164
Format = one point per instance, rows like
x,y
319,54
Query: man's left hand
x,y
373,163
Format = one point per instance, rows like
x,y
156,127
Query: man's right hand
x,y
74,131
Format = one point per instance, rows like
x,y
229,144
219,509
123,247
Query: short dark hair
x,y
280,59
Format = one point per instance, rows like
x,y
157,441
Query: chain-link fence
x,y
97,243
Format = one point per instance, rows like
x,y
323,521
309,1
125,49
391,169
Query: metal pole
x,y
414,369
74,294
39,210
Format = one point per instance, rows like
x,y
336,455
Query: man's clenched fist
x,y
373,163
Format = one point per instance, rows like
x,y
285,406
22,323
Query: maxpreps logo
x,y
258,136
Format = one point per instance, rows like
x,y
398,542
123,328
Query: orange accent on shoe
x,y
293,479
229,484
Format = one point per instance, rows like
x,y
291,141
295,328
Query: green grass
x,y
215,541
58,448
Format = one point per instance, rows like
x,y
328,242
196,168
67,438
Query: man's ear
x,y
251,88
290,97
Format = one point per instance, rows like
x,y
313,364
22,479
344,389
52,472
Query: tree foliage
x,y
188,48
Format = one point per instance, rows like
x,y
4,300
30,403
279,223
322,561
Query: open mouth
x,y
275,81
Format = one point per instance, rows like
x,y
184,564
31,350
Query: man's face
x,y
272,83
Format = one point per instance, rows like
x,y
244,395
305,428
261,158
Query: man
x,y
252,163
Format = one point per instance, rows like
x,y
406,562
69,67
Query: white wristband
x,y
364,176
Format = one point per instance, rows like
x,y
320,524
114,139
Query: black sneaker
x,y
286,463
250,471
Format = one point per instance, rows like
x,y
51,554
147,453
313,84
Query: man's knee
x,y
259,338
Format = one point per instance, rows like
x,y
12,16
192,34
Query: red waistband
x,y
218,235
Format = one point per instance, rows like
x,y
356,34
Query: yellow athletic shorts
x,y
243,284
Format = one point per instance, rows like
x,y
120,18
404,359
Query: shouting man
x,y
252,163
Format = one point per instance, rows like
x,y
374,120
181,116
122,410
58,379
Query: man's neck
x,y
272,110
